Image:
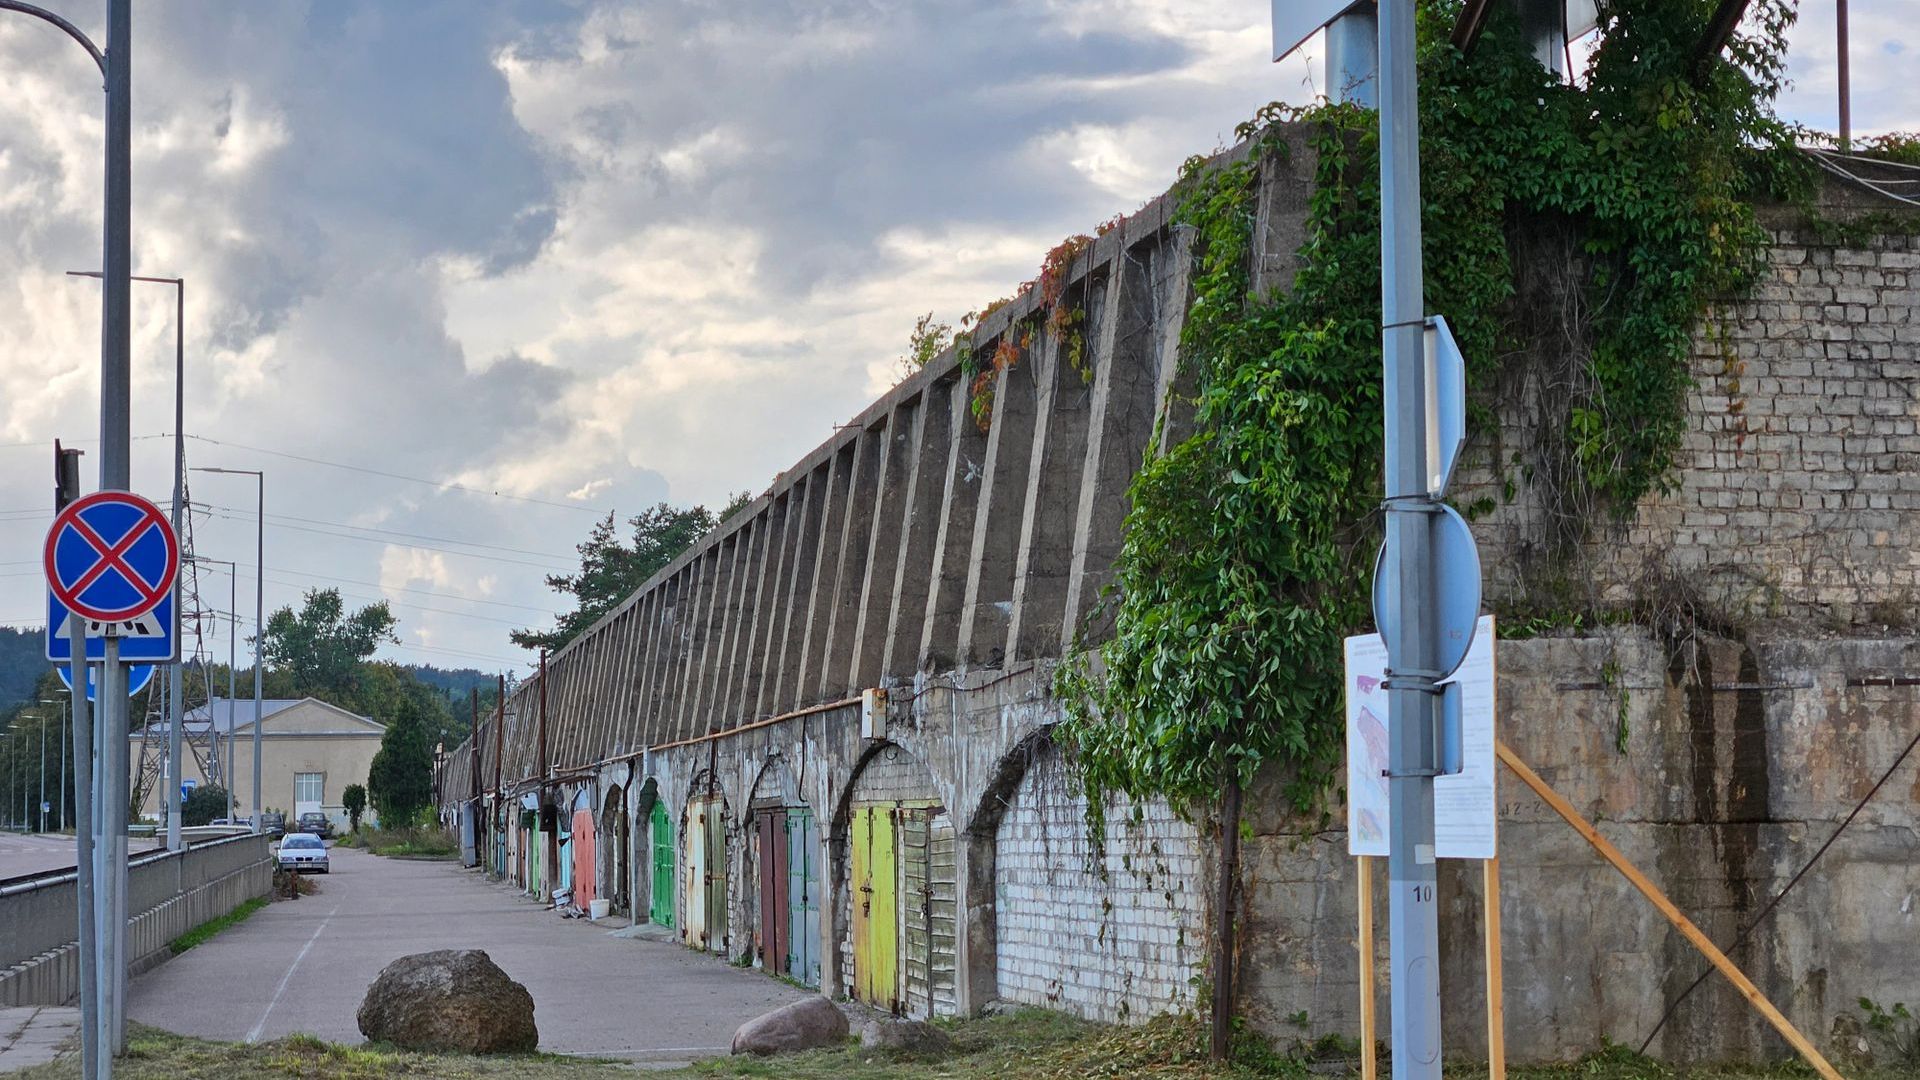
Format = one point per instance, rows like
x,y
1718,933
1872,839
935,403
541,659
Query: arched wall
x,y
1112,935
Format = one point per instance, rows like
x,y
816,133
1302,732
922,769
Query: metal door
x,y
803,897
716,873
886,909
771,935
694,933
875,908
661,909
585,887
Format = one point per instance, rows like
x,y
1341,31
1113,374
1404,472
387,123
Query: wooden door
x,y
803,897
661,908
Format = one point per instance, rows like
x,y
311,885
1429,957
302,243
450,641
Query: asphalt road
x,y
304,965
45,853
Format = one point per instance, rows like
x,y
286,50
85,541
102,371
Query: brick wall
x,y
1118,944
1797,477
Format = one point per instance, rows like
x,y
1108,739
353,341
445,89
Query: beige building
x,y
310,752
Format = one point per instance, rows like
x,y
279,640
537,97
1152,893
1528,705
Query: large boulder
x,y
916,1038
802,1025
451,1000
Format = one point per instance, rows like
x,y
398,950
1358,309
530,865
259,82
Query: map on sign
x,y
1464,804
111,559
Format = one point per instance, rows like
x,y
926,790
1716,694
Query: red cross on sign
x,y
111,557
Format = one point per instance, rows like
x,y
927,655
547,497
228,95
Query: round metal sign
x,y
1456,579
111,557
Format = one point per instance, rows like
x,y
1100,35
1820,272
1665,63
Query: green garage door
x,y
661,911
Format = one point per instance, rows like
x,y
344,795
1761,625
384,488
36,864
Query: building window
x,y
307,787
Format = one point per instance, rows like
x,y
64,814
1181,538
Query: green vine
x,y
1249,544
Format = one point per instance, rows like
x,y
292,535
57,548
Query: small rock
x,y
1000,1007
916,1037
451,1000
802,1025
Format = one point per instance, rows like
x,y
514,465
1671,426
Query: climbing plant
x,y
1249,541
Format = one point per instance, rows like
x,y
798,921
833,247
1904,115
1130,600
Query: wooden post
x,y
1685,925
1369,1068
1496,1002
1223,989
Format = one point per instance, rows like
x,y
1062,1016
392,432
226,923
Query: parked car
x,y
317,823
303,853
273,824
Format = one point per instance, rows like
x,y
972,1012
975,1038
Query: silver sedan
x,y
303,853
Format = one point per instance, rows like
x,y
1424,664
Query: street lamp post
x,y
102,911
233,633
176,686
259,614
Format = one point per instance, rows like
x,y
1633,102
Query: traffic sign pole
x,y
1413,909
85,871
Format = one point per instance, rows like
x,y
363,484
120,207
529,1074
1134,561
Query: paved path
x,y
33,1034
46,853
303,965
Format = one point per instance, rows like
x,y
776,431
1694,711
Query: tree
x,y
611,571
321,649
204,803
355,801
400,780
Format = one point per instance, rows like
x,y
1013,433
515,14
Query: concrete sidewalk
x,y
36,1034
304,965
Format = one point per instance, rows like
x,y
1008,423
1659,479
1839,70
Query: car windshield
x,y
304,840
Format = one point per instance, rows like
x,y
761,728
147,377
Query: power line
x,y
329,579
388,532
249,519
442,484
460,652
397,603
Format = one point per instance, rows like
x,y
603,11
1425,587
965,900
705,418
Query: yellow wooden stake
x,y
1369,1069
1496,1002
1685,925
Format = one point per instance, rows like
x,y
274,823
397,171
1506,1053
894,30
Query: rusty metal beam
x,y
1720,28
1473,19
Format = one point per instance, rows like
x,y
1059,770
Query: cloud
x,y
576,256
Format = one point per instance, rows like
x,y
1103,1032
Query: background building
x,y
310,752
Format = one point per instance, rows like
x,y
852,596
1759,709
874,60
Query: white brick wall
x,y
1122,941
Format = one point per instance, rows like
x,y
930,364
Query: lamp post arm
x,y
72,31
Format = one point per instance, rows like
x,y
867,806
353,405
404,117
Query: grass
x,y
1029,1044
199,934
403,843
158,1055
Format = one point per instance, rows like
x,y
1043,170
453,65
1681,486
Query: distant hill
x,y
453,682
23,659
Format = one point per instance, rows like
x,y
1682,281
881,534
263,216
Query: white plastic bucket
x,y
597,908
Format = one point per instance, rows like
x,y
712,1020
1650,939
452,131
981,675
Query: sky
x,y
464,275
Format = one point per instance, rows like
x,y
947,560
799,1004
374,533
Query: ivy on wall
x,y
1249,543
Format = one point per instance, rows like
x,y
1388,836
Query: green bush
x,y
203,804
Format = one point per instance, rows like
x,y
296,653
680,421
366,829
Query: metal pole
x,y
65,729
113,686
233,638
43,773
115,475
84,828
1846,76
259,631
1413,915
176,685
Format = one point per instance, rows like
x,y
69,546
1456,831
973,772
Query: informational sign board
x,y
138,676
111,558
1465,806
